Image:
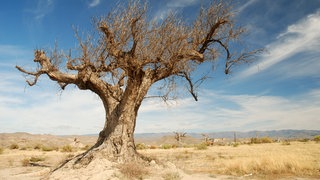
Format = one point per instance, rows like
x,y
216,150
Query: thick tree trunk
x,y
116,140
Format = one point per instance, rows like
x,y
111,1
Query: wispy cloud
x,y
223,112
41,9
94,3
302,37
42,109
171,6
181,3
245,5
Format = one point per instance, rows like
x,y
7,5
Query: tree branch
x,y
49,69
210,34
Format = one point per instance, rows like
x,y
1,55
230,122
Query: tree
x,y
131,53
179,135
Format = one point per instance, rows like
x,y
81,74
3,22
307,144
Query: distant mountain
x,y
287,134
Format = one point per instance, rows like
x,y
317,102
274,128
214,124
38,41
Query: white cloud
x,y
172,6
302,37
94,3
222,112
41,109
38,110
245,5
42,8
181,3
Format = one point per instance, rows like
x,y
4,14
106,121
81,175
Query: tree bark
x,y
116,140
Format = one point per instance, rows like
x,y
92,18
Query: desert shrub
x,y
23,148
286,142
141,146
202,146
266,140
49,148
37,146
153,147
25,162
14,146
174,146
317,138
166,146
86,147
303,140
67,148
235,144
36,159
133,170
171,176
261,140
1,150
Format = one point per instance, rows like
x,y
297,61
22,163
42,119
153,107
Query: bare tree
x,y
129,54
179,135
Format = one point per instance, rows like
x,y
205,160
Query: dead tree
x,y
129,54
207,140
179,135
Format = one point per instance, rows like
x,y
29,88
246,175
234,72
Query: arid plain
x,y
26,156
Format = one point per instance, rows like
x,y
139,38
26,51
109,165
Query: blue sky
x,y
281,90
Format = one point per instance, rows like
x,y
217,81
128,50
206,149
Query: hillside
x,y
31,140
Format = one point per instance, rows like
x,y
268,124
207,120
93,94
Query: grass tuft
x,y
37,159
134,171
202,146
25,162
67,148
14,146
171,176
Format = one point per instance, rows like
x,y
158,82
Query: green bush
x,y
202,146
166,146
261,140
48,148
67,148
14,146
317,138
235,144
141,146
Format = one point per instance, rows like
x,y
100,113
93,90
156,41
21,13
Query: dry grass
x,y
133,171
25,162
67,148
297,159
14,146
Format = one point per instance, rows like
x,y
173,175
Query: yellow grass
x,y
263,160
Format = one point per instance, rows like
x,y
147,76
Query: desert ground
x,y
26,156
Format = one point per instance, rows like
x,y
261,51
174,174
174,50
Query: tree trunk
x,y
116,140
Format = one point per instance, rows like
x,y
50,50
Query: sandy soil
x,y
11,168
28,163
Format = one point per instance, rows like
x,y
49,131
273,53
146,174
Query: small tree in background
x,y
178,136
130,55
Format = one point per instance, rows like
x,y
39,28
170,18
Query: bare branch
x,y
208,39
47,68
